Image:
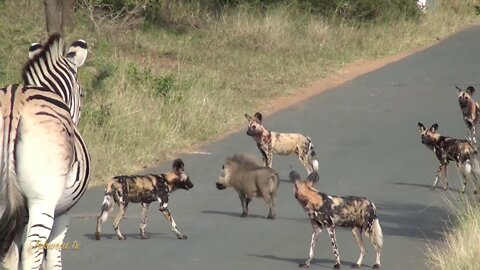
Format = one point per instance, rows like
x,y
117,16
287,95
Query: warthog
x,y
249,178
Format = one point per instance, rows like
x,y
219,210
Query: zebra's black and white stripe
x,y
45,165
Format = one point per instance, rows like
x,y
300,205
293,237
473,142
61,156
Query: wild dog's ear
x,y
421,127
294,176
470,90
296,179
178,165
434,127
249,118
459,89
259,117
313,178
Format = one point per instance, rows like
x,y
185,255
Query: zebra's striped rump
x,y
45,164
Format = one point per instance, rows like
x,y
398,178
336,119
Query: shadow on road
x,y
112,236
295,261
429,187
232,214
412,220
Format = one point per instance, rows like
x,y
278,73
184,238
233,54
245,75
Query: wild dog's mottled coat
x,y
250,179
470,111
270,143
332,211
143,189
449,149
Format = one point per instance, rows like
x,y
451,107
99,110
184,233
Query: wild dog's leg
x,y
170,219
143,222
116,222
244,201
442,172
474,136
53,259
305,160
376,237
357,232
316,231
267,156
333,238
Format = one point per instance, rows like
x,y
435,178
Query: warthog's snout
x,y
220,186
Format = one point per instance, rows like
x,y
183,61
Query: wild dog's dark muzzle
x,y
187,184
220,186
253,132
463,101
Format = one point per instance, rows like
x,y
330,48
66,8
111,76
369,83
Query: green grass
x,y
158,90
460,248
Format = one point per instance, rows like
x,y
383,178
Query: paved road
x,y
365,133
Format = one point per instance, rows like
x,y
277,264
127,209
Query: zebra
x,y
45,164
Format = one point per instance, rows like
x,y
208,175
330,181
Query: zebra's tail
x,y
11,199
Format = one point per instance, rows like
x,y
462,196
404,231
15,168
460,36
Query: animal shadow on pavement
x,y
113,236
327,263
426,186
232,214
412,220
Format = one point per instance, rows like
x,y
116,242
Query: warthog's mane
x,y
246,162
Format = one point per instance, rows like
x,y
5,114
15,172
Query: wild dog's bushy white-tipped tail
x,y
377,234
107,204
475,164
312,155
315,165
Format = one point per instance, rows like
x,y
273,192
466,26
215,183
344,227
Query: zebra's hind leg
x,y
39,227
53,259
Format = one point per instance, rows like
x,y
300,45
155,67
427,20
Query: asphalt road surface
x,y
366,137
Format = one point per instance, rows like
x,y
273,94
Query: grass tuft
x,y
460,248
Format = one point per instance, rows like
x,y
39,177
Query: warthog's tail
x,y
312,156
275,178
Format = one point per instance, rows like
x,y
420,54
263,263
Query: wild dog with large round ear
x,y
449,149
143,189
470,111
270,143
357,213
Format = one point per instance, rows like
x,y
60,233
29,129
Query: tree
x,y
59,15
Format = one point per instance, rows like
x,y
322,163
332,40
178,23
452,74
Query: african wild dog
x,y
470,111
250,179
449,149
332,211
270,142
143,189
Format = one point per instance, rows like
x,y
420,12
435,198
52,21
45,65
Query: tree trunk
x,y
53,17
68,8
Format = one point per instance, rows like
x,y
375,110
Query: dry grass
x,y
156,91
460,249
